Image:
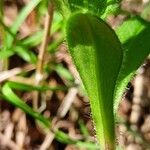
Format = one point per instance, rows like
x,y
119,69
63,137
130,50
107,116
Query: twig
x,y
7,142
4,75
48,24
67,102
8,132
21,131
47,141
39,70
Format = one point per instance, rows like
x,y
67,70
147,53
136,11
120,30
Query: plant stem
x,y
47,28
39,70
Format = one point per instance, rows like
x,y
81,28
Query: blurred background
x,y
33,51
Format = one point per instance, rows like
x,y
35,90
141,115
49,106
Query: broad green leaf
x,y
135,36
96,7
97,54
129,29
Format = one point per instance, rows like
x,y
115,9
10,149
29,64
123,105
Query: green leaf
x,y
64,138
27,87
20,19
25,54
96,7
20,50
63,72
10,96
15,100
23,14
5,54
135,36
5,31
97,54
32,40
129,29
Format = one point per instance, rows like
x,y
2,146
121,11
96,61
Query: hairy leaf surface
x,y
135,36
96,7
97,54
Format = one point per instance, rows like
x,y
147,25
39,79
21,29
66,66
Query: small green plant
x,y
105,60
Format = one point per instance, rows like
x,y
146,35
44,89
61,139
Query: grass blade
x,y
10,96
23,15
15,100
20,19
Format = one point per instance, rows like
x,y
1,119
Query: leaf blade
x,y
135,35
97,53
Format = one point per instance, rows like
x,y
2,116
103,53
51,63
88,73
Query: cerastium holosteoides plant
x,y
105,60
